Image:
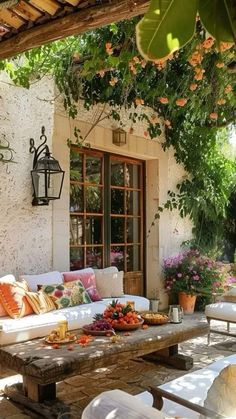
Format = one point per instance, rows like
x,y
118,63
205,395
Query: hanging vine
x,y
191,96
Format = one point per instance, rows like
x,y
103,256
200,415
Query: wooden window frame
x,y
106,187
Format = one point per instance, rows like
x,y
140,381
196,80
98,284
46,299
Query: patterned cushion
x,y
67,295
40,302
13,298
88,280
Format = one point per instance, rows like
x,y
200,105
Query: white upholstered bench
x,y
192,387
221,311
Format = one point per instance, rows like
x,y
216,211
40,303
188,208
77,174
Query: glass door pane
x,y
86,201
126,222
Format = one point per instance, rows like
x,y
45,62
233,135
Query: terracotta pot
x,y
187,302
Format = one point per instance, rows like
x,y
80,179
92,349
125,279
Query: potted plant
x,y
190,274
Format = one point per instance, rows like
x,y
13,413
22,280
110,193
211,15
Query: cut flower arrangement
x,y
192,273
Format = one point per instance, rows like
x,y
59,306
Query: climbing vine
x,y
191,96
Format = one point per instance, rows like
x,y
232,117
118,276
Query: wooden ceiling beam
x,y
72,24
49,6
10,18
27,11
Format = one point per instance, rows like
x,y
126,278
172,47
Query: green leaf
x,y
167,26
217,18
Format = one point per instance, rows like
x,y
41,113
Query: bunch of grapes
x,y
99,325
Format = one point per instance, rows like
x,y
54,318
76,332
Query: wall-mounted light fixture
x,y
47,175
119,137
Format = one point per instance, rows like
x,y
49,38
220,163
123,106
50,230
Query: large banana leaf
x,y
168,25
218,17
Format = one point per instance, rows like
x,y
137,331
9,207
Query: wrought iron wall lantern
x,y
47,175
119,137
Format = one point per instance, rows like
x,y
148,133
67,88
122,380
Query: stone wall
x,y
25,231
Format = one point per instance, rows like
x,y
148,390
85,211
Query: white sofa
x,y
37,326
192,387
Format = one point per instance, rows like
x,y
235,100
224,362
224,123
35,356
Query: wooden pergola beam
x,y
72,24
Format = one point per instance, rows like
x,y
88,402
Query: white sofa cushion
x,y
37,326
117,404
48,278
222,311
110,284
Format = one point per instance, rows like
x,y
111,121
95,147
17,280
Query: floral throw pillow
x,y
88,280
67,295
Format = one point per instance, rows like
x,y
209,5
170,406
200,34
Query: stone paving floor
x,y
133,376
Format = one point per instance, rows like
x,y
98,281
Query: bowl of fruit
x,y
99,327
122,316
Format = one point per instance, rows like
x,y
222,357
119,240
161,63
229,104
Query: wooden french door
x,y
106,214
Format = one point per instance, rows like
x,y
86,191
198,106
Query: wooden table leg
x,y
170,356
38,392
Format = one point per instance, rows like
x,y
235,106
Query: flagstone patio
x,y
132,376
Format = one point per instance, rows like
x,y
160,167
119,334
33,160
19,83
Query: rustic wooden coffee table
x,y
42,366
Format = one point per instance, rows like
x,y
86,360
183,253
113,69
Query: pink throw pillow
x,y
88,280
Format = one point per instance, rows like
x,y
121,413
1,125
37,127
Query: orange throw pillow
x,y
13,298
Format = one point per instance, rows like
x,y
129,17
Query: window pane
x,y
93,199
133,230
93,230
76,198
117,230
117,173
133,258
76,230
93,169
117,257
94,257
76,166
76,258
132,202
117,201
132,176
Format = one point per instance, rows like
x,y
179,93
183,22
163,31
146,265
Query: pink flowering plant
x,y
193,273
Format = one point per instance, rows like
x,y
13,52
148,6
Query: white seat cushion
x,y
117,404
222,311
36,326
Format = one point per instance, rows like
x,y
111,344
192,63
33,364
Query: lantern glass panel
x,y
38,179
47,184
54,183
